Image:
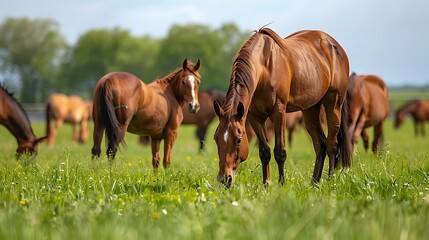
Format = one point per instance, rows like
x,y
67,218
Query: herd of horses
x,y
275,84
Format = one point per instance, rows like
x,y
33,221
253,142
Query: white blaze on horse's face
x,y
193,105
225,136
191,80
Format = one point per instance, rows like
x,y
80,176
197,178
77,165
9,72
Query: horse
x,y
67,109
271,76
122,102
293,120
368,107
419,111
202,118
14,118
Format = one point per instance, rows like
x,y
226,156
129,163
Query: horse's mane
x,y
13,99
171,75
242,66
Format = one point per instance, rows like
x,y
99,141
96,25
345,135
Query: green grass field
x,y
64,194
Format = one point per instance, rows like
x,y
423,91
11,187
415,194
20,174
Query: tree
x,y
100,51
215,48
30,52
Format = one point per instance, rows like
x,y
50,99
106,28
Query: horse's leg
x,y
333,106
155,145
97,138
289,136
201,134
53,132
365,139
75,135
280,155
416,127
168,146
314,129
83,135
378,134
422,123
264,150
359,130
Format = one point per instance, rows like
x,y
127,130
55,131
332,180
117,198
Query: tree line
x,y
36,60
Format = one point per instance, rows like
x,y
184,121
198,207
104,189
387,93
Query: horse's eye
x,y
239,140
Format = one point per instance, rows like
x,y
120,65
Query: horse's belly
x,y
147,125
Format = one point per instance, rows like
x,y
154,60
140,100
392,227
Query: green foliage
x,y
34,54
30,50
63,194
98,52
215,48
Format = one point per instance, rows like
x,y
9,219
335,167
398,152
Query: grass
x,y
64,194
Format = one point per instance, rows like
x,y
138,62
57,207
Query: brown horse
x,y
14,118
368,107
270,76
202,118
67,109
419,110
122,102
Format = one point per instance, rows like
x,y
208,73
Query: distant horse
x,y
67,109
14,118
202,118
270,76
122,102
368,107
419,110
293,120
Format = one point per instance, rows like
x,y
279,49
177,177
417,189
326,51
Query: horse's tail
x,y
344,147
113,128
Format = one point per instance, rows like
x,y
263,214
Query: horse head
x,y
29,147
232,142
188,87
399,118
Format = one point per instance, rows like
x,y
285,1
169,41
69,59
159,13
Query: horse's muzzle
x,y
193,107
227,180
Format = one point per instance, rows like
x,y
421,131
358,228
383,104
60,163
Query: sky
x,y
388,38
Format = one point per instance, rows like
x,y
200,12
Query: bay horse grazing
x,y
368,107
418,109
67,109
271,76
122,102
202,118
14,118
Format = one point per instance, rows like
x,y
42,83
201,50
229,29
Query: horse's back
x,y
120,78
122,86
318,64
423,109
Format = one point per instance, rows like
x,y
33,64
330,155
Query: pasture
x,y
64,194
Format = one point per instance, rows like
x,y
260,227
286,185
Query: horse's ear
x,y
240,111
218,109
185,63
197,66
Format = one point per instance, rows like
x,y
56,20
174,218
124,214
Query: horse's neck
x,y
170,87
410,108
18,125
